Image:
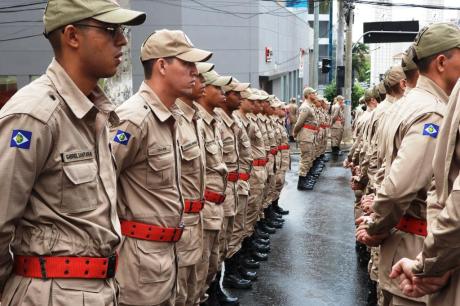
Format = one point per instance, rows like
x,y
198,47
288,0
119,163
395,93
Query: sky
x,y
367,13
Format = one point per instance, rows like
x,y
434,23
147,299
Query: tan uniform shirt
x,y
408,163
189,127
216,170
244,149
148,162
230,156
257,148
59,186
338,116
306,116
293,108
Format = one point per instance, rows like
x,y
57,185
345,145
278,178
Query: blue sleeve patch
x,y
431,129
21,139
122,137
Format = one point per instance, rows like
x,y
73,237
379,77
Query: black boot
x,y
260,240
272,223
261,248
272,215
233,278
219,294
279,209
247,274
260,233
301,183
265,227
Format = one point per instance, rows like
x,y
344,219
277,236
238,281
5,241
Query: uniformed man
x,y
145,146
190,247
338,122
305,131
292,109
230,140
59,226
216,182
400,202
255,231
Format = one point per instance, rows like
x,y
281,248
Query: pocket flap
x,y
90,285
190,151
149,247
80,173
211,147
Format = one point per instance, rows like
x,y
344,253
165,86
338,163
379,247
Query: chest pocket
x,y
245,141
228,145
79,186
212,153
190,157
160,170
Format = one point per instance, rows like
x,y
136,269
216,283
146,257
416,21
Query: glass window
x,y
8,87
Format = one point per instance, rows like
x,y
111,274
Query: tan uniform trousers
x,y
225,236
207,267
257,183
449,295
269,185
336,136
357,209
273,192
238,233
188,292
25,291
307,155
394,300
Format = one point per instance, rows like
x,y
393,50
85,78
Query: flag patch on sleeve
x,y
431,129
122,137
21,139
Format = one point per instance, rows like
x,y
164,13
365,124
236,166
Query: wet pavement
x,y
313,260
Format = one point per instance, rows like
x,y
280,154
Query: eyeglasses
x,y
112,30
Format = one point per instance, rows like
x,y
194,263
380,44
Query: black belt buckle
x,y
111,266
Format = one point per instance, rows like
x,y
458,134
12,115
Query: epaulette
x,y
134,110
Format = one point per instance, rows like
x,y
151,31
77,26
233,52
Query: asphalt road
x,y
313,260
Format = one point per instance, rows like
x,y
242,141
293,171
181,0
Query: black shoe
x,y
247,274
273,224
259,247
266,228
262,241
259,256
235,281
218,296
249,263
258,233
301,183
278,209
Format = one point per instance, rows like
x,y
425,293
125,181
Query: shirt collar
x,y
244,119
430,86
261,117
79,104
188,111
154,102
227,120
207,117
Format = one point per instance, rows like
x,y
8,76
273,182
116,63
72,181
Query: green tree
x,y
357,92
361,63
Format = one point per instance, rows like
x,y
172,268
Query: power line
x,y
22,5
20,37
427,6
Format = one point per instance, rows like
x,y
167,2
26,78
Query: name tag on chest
x,y
68,157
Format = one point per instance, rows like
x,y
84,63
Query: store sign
x,y
268,54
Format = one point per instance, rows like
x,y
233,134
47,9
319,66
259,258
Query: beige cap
x,y
407,60
263,95
59,13
235,85
368,94
393,76
204,67
340,98
379,90
308,91
213,78
172,43
247,94
436,38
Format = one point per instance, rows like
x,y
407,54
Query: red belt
x,y
310,127
259,162
324,126
412,226
193,206
150,232
274,151
244,176
65,267
232,176
283,147
214,197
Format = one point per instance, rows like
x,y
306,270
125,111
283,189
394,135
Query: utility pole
x,y
315,45
348,67
339,48
120,87
329,51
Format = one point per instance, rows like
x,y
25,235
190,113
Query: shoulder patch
x,y
122,137
431,129
21,139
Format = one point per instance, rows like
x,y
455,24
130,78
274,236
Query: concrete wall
x,y
236,32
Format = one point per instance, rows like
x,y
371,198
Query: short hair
x,y
148,66
54,38
411,74
395,89
424,64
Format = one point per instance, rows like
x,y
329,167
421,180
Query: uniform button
x,y
86,272
52,97
66,272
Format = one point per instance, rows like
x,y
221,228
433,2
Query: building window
x,y
8,87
